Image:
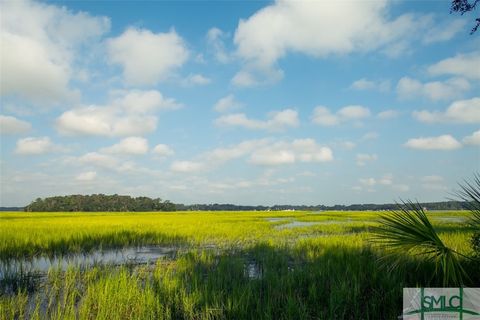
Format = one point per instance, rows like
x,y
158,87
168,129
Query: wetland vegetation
x,y
211,265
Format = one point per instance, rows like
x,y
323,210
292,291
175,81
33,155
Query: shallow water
x,y
290,222
298,224
132,255
29,274
450,219
277,219
253,270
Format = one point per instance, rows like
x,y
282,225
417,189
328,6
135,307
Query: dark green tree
x,y
464,6
99,202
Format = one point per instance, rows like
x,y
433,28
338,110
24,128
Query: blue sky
x,y
245,102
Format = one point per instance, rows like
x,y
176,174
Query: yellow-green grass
x,y
327,270
31,234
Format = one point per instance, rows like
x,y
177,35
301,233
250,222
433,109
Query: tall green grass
x,y
32,234
321,271
311,280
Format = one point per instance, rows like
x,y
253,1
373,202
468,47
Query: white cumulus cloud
x,y
324,117
278,120
282,152
34,146
104,121
254,77
462,65
144,101
196,79
216,40
444,142
12,125
131,114
98,159
408,88
444,32
227,103
388,114
365,84
462,111
387,180
264,152
306,27
39,46
147,57
220,155
473,139
130,145
163,150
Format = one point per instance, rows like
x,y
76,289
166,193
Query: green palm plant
x,y
470,193
408,230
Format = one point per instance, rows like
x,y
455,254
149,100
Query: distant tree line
x,y
11,208
99,202
219,207
445,205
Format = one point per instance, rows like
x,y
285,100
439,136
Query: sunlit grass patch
x,y
32,234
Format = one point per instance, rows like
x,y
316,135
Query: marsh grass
x,y
310,280
238,266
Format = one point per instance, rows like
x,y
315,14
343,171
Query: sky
x,y
243,102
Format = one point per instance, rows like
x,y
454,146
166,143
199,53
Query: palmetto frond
x,y
470,193
408,230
